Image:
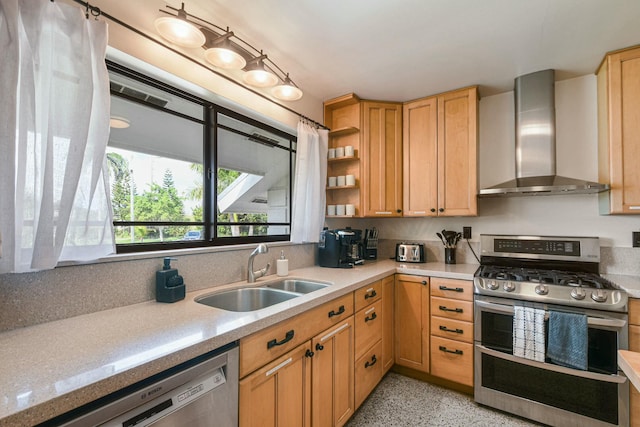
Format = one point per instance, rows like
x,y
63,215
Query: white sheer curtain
x,y
309,196
54,128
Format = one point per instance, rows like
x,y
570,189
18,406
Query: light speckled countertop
x,y
631,284
49,369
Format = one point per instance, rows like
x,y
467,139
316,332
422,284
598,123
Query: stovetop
x,y
551,270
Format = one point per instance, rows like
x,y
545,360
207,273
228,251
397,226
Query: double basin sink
x,y
256,298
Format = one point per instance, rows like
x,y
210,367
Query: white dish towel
x,y
528,333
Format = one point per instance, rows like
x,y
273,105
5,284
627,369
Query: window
x,y
164,191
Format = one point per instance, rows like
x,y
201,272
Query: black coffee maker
x,y
341,248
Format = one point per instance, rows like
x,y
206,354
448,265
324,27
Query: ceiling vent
x,y
137,94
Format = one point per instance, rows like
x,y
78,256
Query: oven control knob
x,y
491,284
578,293
599,295
542,289
509,286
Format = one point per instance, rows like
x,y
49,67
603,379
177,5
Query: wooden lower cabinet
x,y
412,322
332,384
368,372
634,345
388,322
452,360
279,393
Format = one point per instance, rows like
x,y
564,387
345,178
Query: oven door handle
x,y
592,321
619,379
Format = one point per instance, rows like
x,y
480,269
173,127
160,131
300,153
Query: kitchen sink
x,y
255,298
246,299
297,285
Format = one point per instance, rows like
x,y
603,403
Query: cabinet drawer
x,y
368,294
368,327
452,360
452,309
452,329
274,341
452,288
368,372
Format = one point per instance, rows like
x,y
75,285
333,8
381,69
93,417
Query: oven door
x,y
546,392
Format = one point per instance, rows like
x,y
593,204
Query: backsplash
x,y
31,298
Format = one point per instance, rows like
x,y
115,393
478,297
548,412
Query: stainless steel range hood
x,y
536,144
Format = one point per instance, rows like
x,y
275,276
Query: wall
x,y
576,215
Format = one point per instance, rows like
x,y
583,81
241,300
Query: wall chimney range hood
x,y
536,144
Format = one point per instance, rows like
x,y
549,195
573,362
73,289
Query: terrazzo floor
x,y
403,401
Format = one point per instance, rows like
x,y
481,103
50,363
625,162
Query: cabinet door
x,y
333,377
388,298
382,159
457,153
278,394
412,322
420,157
624,131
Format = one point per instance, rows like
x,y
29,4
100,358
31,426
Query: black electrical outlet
x,y
636,239
466,232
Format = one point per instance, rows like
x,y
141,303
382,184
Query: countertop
x,y
631,284
51,368
629,362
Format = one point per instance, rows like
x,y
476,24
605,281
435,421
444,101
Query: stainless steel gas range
x,y
547,331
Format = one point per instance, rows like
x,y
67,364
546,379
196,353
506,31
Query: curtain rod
x,y
95,11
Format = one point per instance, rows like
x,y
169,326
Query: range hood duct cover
x,y
536,144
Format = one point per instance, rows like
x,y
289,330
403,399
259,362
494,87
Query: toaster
x,y
410,252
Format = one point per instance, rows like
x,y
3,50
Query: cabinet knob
x,y
433,209
424,283
441,210
319,347
399,210
309,353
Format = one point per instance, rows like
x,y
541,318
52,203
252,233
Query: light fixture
x,y
222,54
178,30
257,75
226,50
116,122
287,91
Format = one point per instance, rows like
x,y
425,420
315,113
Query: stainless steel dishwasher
x,y
199,393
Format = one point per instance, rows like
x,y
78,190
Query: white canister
x,y
340,210
331,210
332,153
340,152
342,181
350,180
348,151
350,210
333,181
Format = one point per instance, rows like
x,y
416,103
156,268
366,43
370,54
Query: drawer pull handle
x,y
337,313
319,347
309,353
457,331
444,288
372,317
373,362
371,294
274,342
455,310
446,350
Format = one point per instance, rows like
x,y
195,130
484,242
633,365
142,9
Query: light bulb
x,y
260,78
287,92
225,58
180,32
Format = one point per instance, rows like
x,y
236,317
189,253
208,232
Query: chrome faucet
x,y
253,275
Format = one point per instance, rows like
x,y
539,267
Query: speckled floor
x,y
402,401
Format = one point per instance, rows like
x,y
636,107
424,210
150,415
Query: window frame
x,y
210,166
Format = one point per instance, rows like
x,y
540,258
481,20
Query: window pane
x,y
253,181
152,234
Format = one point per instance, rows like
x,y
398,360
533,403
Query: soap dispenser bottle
x,y
282,265
169,284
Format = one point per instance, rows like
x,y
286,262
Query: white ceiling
x,y
405,49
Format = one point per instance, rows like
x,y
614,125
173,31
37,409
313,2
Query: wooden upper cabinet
x,y
420,157
440,155
619,131
382,159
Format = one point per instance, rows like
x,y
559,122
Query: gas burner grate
x,y
549,277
